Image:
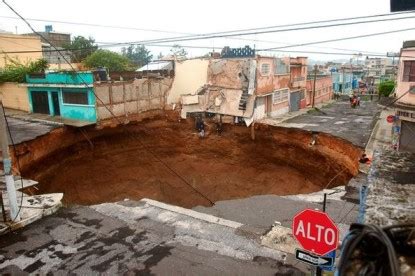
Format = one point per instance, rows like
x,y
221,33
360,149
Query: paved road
x,y
23,130
135,238
339,119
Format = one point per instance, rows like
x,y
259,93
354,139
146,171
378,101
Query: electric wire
x,y
110,111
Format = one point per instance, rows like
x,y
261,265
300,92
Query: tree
x,y
386,88
178,51
16,71
108,59
138,54
81,47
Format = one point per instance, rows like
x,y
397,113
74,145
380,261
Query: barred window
x,y
408,71
75,97
280,96
265,68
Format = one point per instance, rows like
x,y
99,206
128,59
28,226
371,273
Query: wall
x,y
229,73
403,87
323,91
266,84
14,43
14,96
190,75
130,98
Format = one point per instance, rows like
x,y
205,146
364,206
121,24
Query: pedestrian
x,y
200,127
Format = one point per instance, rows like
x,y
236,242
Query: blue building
x,y
343,82
66,94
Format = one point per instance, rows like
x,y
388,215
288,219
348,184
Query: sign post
x,y
318,235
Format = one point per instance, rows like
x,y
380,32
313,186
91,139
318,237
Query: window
x,y
280,96
281,67
265,69
408,71
75,97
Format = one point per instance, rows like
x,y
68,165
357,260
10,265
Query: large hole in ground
x,y
134,164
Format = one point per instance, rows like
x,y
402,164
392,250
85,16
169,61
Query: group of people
x,y
200,126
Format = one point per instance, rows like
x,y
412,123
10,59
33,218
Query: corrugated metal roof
x,y
156,65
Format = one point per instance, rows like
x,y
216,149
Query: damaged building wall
x,y
130,98
229,73
190,75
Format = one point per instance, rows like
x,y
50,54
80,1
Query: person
x,y
200,126
364,159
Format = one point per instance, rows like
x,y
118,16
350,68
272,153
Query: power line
x,y
219,35
110,111
223,32
338,39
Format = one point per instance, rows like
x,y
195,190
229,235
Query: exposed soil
x,y
135,164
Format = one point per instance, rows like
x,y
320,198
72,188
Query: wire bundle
x,y
371,250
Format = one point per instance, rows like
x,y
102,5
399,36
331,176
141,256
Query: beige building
x,y
31,45
404,123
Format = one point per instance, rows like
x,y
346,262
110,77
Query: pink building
x,y
404,126
323,90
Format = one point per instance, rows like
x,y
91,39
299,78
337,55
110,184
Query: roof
x,y
157,65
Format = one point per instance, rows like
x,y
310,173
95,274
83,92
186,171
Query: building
x,y
404,121
322,87
242,84
380,69
51,37
77,99
22,48
68,95
343,82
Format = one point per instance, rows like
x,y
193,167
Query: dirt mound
x,y
167,161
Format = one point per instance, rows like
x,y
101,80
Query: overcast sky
x,y
214,16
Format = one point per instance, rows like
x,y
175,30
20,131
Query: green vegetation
x,y
108,59
386,88
16,71
178,51
81,47
138,55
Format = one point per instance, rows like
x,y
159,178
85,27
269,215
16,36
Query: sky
x,y
175,18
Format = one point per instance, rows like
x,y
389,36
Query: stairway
x,y
244,100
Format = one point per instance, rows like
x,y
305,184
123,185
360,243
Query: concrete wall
x,y
190,75
229,73
323,91
266,84
16,43
14,96
402,87
130,98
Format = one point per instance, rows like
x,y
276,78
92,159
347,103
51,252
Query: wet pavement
x,y
340,120
136,238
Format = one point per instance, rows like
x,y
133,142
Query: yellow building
x,y
19,43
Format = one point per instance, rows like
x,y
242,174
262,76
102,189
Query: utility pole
x,y
314,85
7,167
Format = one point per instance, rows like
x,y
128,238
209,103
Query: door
x,y
407,141
55,101
295,99
40,102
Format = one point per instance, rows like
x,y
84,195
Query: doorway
x,y
40,102
55,102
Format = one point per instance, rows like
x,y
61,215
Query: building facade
x,y
22,48
342,82
404,122
68,95
322,87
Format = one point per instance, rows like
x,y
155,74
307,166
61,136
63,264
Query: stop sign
x,y
315,231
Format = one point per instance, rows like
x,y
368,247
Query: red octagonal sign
x,y
315,231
